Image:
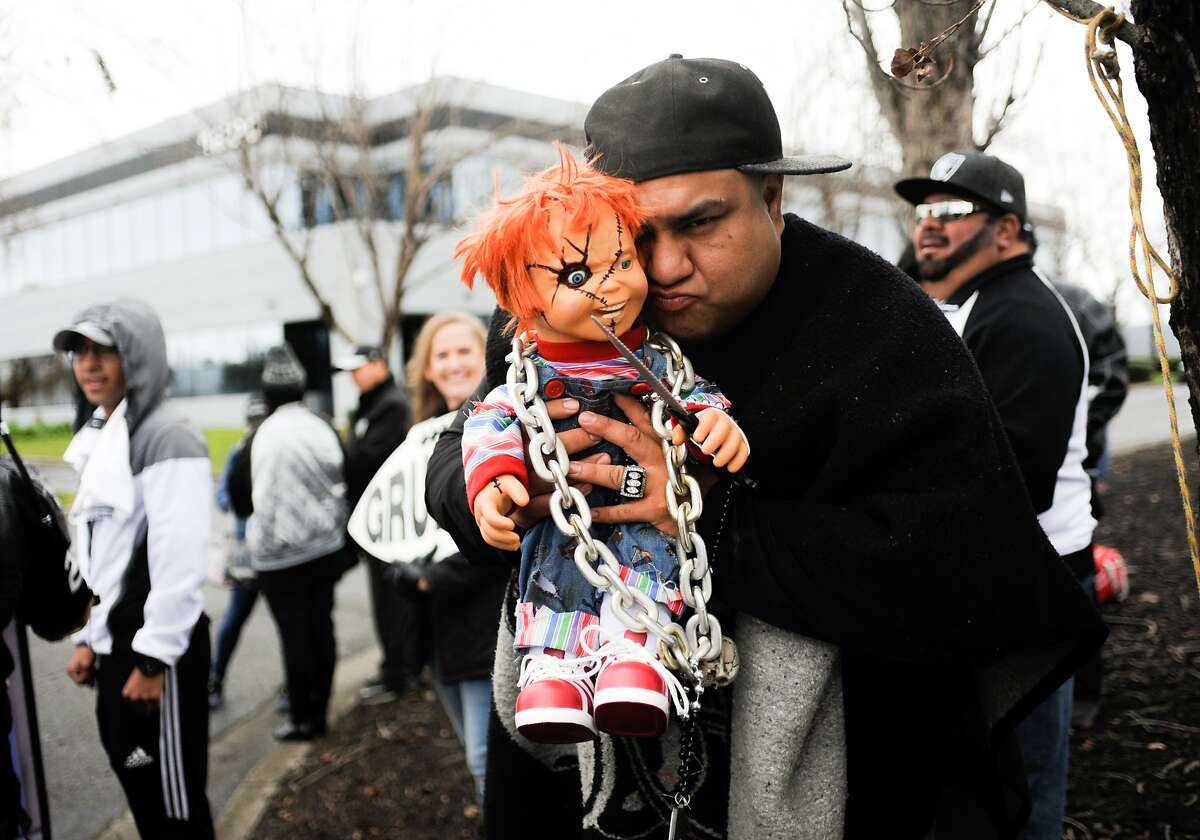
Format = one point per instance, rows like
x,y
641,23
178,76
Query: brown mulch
x,y
398,771
386,771
1136,773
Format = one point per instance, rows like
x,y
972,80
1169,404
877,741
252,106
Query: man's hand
x,y
640,442
82,667
140,689
492,506
573,440
718,436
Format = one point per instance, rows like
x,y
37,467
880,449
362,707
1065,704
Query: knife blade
x,y
673,406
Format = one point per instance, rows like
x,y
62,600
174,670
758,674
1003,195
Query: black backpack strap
x,y
12,449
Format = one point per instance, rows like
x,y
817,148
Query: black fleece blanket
x,y
890,518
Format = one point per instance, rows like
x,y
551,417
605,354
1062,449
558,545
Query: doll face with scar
x,y
593,271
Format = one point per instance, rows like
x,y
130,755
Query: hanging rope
x,y
1104,71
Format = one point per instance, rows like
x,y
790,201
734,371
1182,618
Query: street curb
x,y
245,807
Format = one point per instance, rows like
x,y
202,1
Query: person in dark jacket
x,y
462,600
39,587
1108,383
974,249
889,518
1108,377
377,426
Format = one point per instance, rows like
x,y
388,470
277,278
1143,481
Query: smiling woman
x,y
446,363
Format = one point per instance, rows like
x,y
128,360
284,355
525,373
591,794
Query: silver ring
x,y
633,482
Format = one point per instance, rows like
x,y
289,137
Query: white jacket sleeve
x,y
177,494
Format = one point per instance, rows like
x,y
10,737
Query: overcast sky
x,y
166,57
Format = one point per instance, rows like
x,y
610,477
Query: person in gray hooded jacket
x,y
140,521
291,470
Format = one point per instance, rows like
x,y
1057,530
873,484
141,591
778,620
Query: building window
x,y
319,207
219,361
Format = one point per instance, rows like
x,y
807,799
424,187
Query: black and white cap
x,y
69,339
282,369
362,354
971,175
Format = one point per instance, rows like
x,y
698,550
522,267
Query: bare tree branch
x,y
1082,10
985,52
908,59
299,258
883,8
881,82
997,122
981,33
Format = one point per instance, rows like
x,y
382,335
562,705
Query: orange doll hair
x,y
508,235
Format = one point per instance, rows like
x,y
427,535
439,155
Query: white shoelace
x,y
578,672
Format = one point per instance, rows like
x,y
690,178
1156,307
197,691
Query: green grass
x,y
220,441
50,441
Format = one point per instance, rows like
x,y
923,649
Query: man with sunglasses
x,y
974,256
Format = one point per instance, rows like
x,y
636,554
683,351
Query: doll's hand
x,y
718,436
492,506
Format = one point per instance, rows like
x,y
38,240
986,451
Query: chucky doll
x,y
556,254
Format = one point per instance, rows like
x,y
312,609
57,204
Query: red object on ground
x,y
1112,575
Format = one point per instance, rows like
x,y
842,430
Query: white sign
x,y
390,521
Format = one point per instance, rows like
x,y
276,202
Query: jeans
x,y
241,602
467,704
1045,746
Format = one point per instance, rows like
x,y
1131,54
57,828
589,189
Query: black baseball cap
x,y
972,175
362,354
691,115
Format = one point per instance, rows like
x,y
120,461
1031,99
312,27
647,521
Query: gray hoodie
x,y
148,562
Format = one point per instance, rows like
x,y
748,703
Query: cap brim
x,y
805,165
68,339
916,190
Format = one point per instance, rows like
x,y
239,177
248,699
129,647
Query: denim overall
x,y
548,575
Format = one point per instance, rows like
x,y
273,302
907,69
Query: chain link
x,y
683,649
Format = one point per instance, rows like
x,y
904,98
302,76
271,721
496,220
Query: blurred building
x,y
164,215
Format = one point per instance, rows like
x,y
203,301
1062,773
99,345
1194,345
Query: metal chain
x,y
683,650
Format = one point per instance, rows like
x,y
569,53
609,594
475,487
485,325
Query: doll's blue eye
x,y
575,275
626,263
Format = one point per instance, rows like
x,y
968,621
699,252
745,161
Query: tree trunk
x,y
936,120
1167,63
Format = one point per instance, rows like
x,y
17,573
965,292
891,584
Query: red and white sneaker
x,y
555,703
633,689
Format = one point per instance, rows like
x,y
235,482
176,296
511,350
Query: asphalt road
x,y
85,797
1143,419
